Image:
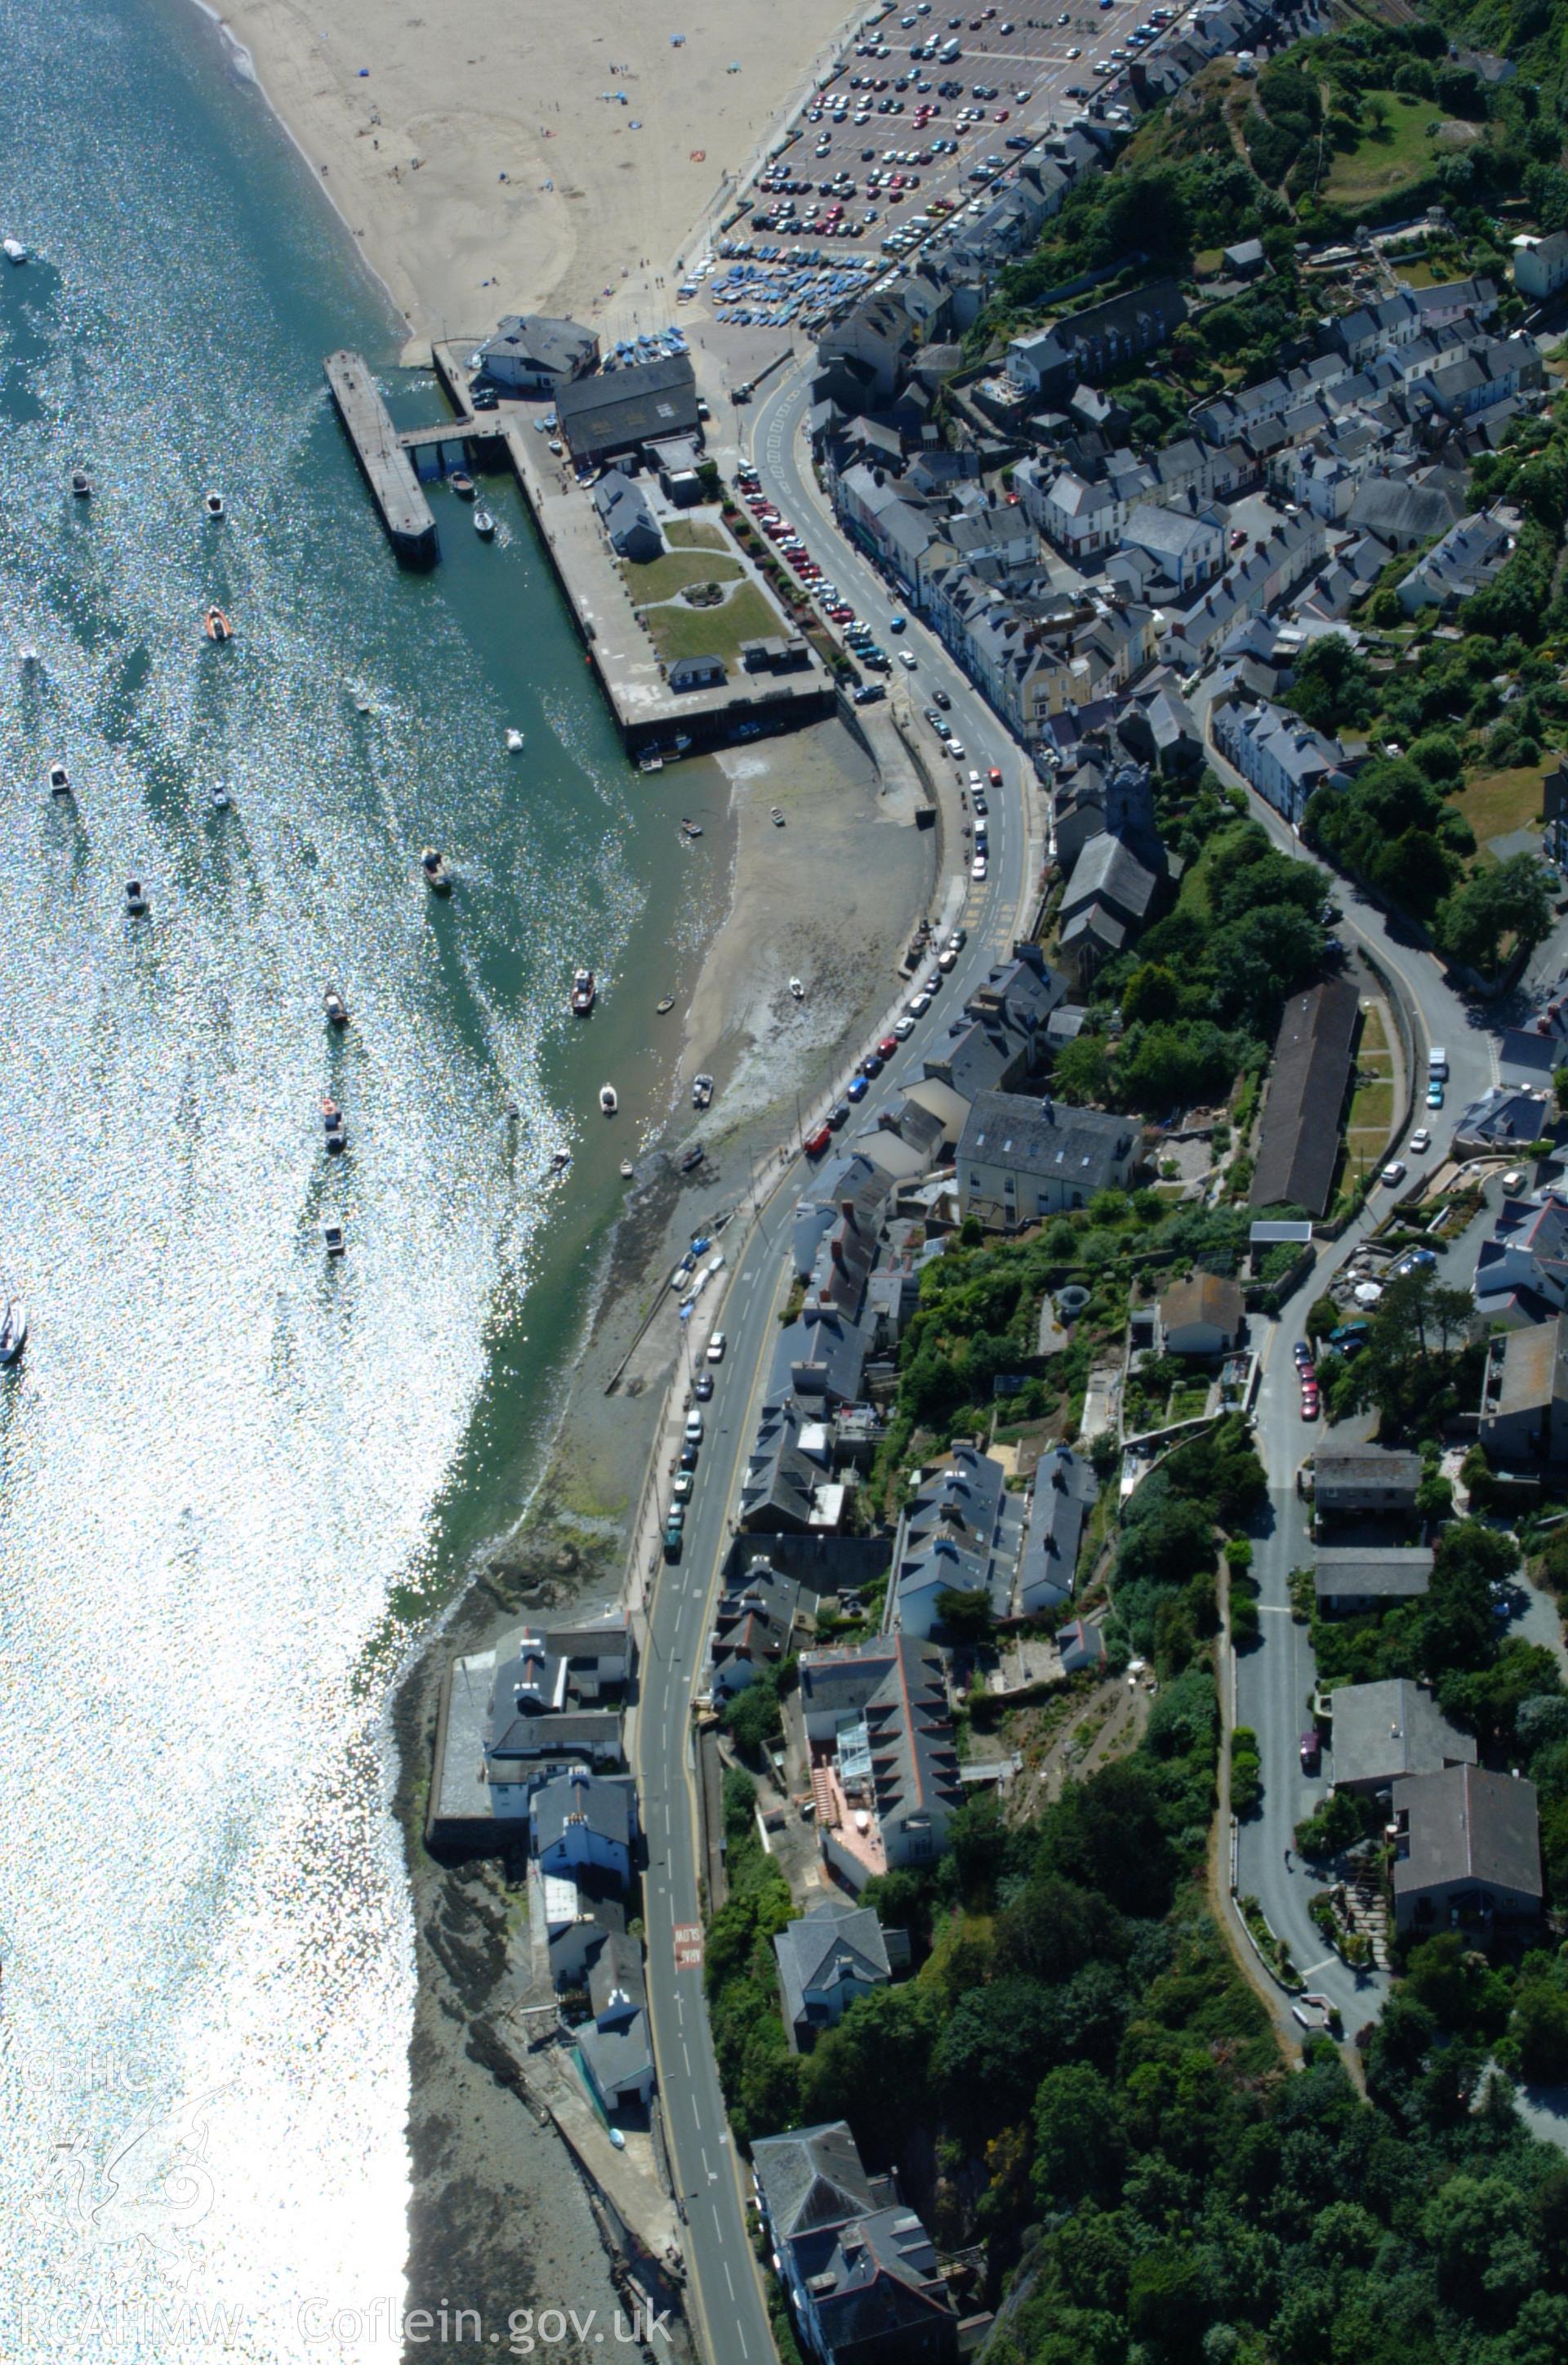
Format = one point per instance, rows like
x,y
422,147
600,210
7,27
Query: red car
x,y
1309,1406
994,776
1307,1374
888,1046
815,1143
842,615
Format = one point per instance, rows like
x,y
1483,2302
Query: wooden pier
x,y
380,449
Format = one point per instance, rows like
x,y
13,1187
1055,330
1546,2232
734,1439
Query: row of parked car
x,y
876,1058
691,1447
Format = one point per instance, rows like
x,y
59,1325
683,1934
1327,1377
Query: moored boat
x,y
13,1330
701,1091
462,484
219,796
776,816
516,743
333,1237
212,502
80,483
666,1001
484,524
650,761
796,989
606,1098
584,992
438,873
627,1169
135,900
218,627
336,1009
332,1126
13,249
59,781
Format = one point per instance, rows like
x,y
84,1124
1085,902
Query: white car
x,y
908,660
956,749
1420,1139
978,869
716,1345
975,780
904,1027
1394,1173
920,1005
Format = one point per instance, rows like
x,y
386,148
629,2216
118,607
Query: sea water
x,y
234,1475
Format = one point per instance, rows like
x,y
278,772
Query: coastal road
x,y
783,461
1275,1679
726,2296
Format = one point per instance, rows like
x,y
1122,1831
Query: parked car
x,y
684,1483
694,1419
703,1388
1311,1751
815,1143
904,1027
1302,1352
689,1454
838,1114
872,1065
1435,1093
716,1345
856,1089
674,1539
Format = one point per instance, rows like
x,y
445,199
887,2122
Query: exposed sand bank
x,y
532,190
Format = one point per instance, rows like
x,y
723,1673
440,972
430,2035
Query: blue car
x,y
857,1090
896,624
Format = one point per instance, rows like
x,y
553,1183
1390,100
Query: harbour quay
x,y
384,464
663,707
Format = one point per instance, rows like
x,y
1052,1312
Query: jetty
x,y
387,469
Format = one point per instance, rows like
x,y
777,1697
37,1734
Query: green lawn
x,y
691,534
682,632
1497,803
1390,158
661,578
1372,1105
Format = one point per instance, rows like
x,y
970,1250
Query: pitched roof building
x,y
1384,1731
1019,1160
1300,1151
1468,1849
863,2280
828,1956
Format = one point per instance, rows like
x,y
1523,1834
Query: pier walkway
x,y
380,449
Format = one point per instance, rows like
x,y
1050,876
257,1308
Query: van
x,y
1437,1061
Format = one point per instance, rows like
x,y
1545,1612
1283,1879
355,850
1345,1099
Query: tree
x,y
965,1616
753,1719
1540,2029
1079,2148
1507,899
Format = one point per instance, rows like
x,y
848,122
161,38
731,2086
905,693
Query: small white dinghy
x,y
13,1330
796,989
516,743
607,1100
484,524
332,1236
219,796
13,249
59,781
336,1007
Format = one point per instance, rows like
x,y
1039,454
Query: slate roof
x,y
1081,1146
540,342
646,401
812,2176
1399,1573
833,1942
616,2058
1065,1490
1299,1148
1467,1824
615,1981
1389,1729
604,1807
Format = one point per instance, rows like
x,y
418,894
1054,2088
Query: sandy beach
x,y
496,162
